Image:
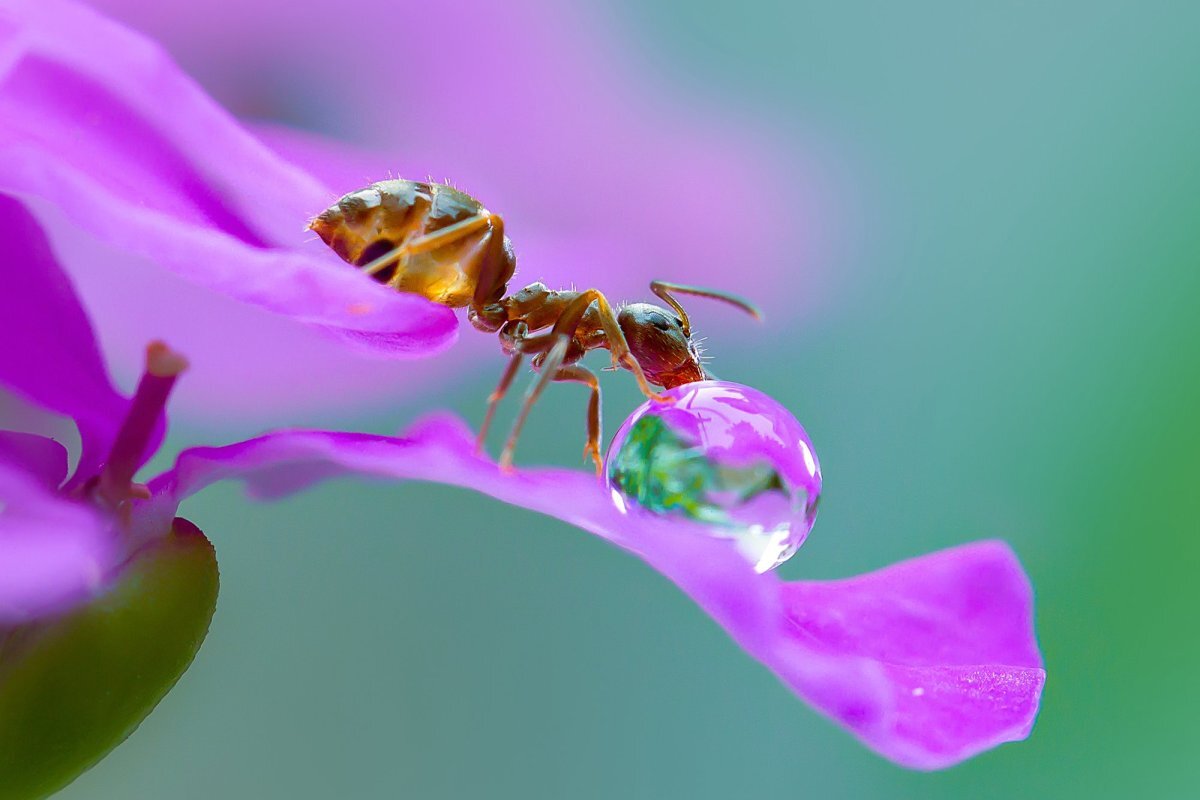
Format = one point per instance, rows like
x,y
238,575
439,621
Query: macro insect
x,y
434,240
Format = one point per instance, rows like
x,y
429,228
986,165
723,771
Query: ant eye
x,y
660,323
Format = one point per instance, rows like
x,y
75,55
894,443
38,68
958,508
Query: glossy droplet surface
x,y
726,456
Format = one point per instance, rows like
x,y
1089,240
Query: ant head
x,y
658,341
661,340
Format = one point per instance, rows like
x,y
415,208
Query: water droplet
x,y
724,455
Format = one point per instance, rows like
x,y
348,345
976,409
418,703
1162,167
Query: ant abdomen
x,y
425,238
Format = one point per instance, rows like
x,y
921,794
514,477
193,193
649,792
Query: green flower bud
x,y
75,686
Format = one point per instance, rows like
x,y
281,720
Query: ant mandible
x,y
434,240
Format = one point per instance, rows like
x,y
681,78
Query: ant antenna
x,y
663,290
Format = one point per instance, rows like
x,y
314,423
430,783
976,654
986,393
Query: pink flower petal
x,y
47,352
906,613
100,131
53,552
42,459
952,634
967,678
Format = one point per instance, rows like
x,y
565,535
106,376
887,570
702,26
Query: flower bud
x,y
74,686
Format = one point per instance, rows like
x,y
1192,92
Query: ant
x,y
434,240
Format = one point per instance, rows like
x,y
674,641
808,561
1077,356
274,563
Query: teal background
x,y
1007,345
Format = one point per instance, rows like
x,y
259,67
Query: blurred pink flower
x,y
146,186
607,169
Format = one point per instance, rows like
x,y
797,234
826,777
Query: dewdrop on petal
x,y
726,456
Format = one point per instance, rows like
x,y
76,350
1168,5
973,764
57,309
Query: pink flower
x,y
61,539
162,210
102,607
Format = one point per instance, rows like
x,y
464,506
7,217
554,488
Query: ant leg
x,y
554,359
497,395
579,374
430,241
492,275
511,333
569,320
617,345
582,374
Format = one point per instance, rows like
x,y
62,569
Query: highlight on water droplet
x,y
724,455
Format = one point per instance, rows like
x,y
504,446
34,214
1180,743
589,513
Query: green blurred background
x,y
1008,346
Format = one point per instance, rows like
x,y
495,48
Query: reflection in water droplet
x,y
726,456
